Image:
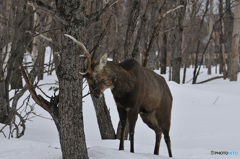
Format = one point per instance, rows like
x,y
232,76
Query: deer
x,y
136,90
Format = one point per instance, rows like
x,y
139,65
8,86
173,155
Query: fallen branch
x,y
217,77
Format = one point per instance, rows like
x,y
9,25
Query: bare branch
x,y
48,10
155,33
101,37
95,16
50,107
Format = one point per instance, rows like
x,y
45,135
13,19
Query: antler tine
x,y
79,43
86,54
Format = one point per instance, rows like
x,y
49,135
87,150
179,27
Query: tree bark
x,y
3,96
163,57
20,41
177,47
228,29
196,69
211,46
234,56
103,118
223,59
132,22
71,128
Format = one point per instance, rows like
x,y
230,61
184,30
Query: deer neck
x,y
123,81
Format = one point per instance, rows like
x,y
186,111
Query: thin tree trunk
x,y
101,109
3,99
223,60
234,56
21,42
211,46
36,40
163,59
103,118
16,80
177,47
196,69
228,29
132,22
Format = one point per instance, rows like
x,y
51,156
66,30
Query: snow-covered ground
x,y
205,119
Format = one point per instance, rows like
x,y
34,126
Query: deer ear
x,y
103,61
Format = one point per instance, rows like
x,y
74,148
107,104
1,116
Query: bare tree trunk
x,y
17,35
71,128
103,118
228,29
151,25
101,109
170,67
16,80
234,56
21,39
71,131
163,58
3,96
222,60
36,40
211,44
177,47
4,49
132,22
196,69
140,34
116,33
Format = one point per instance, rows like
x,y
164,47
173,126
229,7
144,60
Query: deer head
x,y
98,74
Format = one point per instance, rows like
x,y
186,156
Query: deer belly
x,y
150,103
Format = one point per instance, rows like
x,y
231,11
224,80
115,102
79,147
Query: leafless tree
x,y
234,55
177,33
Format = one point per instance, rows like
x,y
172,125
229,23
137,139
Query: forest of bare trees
x,y
166,35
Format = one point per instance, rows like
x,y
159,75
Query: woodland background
x,y
160,34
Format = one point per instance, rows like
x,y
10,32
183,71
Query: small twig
x,y
46,38
101,37
1,131
42,91
216,100
54,147
39,115
46,84
86,94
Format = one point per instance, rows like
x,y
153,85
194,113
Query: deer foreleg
x,y
123,119
132,118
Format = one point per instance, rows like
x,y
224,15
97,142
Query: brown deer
x,y
136,90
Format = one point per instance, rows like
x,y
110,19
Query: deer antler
x,y
85,54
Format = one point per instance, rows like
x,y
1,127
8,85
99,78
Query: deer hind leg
x,y
157,144
132,118
123,119
168,142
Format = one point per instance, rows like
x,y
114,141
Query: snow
x,y
205,118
